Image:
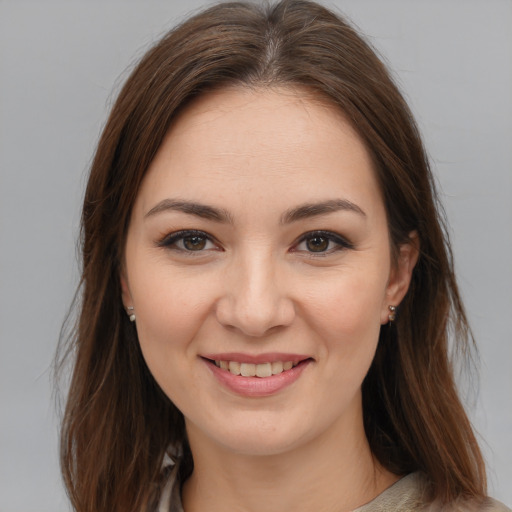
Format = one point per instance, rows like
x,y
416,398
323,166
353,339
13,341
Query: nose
x,y
255,299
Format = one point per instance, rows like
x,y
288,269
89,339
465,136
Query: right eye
x,y
189,241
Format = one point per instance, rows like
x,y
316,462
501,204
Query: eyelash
x,y
172,240
340,242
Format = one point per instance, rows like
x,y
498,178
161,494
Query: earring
x,y
392,314
131,314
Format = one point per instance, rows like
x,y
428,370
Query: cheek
x,y
346,312
351,298
170,308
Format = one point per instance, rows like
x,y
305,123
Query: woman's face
x,y
258,245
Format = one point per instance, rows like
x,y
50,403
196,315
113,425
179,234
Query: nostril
x,y
253,300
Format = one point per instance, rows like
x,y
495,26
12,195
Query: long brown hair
x,y
118,423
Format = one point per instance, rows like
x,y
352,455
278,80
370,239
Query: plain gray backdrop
x,y
60,62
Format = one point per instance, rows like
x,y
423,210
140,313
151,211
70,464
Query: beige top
x,y
404,496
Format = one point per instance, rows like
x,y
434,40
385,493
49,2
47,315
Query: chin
x,y
263,445
254,437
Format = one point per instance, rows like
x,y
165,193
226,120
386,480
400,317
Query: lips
x,y
256,376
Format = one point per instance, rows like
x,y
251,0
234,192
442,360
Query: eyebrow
x,y
323,208
220,215
199,210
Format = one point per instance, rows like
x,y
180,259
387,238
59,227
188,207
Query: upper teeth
x,y
255,370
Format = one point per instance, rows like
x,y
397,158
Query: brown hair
x,y
118,423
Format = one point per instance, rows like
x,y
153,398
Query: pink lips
x,y
257,386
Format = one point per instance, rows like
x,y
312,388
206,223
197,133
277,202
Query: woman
x,y
267,286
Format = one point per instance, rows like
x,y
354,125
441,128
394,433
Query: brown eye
x,y
317,244
188,242
321,243
194,243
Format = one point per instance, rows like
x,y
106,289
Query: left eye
x,y
321,242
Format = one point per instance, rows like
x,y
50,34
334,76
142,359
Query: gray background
x,y
59,62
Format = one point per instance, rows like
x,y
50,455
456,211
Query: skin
x,y
256,286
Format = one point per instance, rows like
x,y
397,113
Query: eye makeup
x,y
314,243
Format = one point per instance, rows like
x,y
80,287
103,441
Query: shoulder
x,y
488,505
494,506
406,495
497,506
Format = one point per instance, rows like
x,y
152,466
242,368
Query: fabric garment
x,y
404,496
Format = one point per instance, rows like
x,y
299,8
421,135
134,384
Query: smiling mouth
x,y
261,370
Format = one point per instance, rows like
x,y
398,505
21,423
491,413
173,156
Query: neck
x,y
334,473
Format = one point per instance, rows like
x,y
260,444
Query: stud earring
x,y
131,314
392,314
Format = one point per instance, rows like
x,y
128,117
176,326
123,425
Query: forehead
x,y
267,141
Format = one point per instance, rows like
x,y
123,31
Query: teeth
x,y
277,367
255,370
248,370
264,370
234,367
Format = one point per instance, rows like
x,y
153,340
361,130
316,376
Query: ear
x,y
125,289
400,275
